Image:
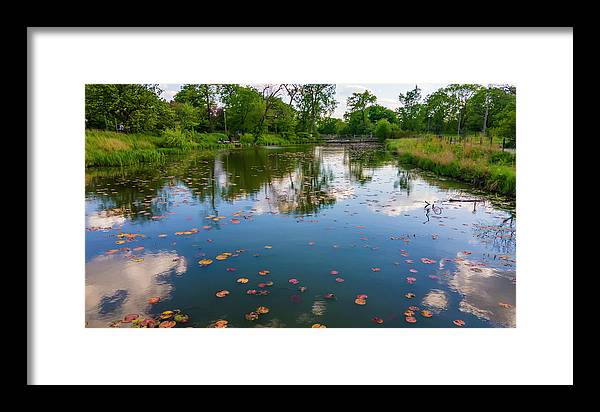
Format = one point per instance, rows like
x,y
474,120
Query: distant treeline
x,y
300,110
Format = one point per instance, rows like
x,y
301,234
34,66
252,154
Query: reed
x,y
482,165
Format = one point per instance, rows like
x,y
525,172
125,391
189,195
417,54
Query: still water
x,y
310,230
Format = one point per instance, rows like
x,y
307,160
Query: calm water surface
x,y
298,213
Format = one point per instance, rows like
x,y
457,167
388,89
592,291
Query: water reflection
x,y
360,194
486,292
117,285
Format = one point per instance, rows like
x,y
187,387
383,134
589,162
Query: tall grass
x,y
481,165
106,148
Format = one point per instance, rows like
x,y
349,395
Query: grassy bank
x,y
104,148
482,165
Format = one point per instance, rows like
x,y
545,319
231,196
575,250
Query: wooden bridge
x,y
334,138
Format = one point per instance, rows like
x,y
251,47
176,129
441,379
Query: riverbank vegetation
x,y
132,123
486,113
484,166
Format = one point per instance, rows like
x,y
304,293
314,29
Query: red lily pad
x,y
167,324
130,318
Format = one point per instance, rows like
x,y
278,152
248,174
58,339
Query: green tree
x,y
411,110
356,115
313,102
137,107
378,112
188,116
383,129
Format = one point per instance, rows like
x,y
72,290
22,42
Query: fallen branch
x,y
465,200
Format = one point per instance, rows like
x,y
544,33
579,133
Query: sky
x,y
387,94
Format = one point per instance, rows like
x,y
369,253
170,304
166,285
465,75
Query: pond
x,y
338,236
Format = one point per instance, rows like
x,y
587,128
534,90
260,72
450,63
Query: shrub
x,y
383,129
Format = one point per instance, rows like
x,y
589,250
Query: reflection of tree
x,y
363,159
501,237
404,181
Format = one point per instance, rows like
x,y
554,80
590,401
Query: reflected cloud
x,y
105,219
116,285
483,289
436,300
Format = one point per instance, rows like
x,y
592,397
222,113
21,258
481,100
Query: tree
x,y
202,97
411,109
243,107
378,112
313,102
358,103
459,95
188,116
137,107
383,129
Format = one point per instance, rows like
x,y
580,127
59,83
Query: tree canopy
x,y
301,108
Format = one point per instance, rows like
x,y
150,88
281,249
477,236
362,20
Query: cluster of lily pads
x,y
254,315
167,319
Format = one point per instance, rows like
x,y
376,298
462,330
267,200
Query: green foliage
x,y
481,165
137,107
383,129
356,116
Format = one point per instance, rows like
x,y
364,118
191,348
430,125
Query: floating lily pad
x,y
261,310
251,316
181,318
130,317
148,323
205,262
153,300
410,319
221,323
167,314
242,280
222,293
167,324
360,301
377,320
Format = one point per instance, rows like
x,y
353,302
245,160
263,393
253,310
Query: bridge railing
x,y
348,137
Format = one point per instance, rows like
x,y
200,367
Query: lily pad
x,y
130,318
222,293
251,316
261,310
167,324
167,314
